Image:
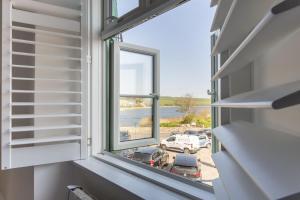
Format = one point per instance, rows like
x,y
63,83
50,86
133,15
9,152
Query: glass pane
x,y
136,118
135,73
125,6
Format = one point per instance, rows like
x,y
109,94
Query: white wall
x,y
50,182
17,184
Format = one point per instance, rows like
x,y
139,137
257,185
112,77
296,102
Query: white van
x,y
181,142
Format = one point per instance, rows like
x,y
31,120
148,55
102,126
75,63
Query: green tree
x,y
186,104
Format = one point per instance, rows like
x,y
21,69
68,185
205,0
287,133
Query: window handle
x,y
211,92
111,19
155,95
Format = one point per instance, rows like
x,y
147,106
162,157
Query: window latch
x,y
211,92
111,20
155,95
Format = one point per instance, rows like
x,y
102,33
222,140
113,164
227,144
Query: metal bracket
x,y
211,92
89,59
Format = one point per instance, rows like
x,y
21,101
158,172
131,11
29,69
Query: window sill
x,y
142,182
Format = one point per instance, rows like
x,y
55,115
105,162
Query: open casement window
x,y
120,15
135,83
44,82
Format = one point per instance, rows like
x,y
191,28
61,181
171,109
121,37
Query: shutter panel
x,y
258,160
44,82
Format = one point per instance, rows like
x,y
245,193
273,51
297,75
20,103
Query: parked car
x,y
207,132
175,133
204,140
192,132
186,165
182,143
152,156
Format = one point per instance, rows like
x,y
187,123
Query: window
x,y
123,16
136,124
135,84
171,139
125,6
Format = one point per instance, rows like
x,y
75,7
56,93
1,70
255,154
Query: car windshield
x,y
138,156
191,132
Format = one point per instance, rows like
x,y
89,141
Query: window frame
x,y
100,112
113,25
115,142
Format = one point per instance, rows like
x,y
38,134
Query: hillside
x,y
171,101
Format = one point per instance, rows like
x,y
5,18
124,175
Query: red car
x,y
187,165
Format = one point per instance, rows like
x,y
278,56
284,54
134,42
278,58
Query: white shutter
x,y
44,82
257,161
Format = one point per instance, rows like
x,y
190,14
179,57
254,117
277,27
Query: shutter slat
x,y
276,97
220,14
45,116
45,20
44,32
241,19
35,6
46,104
273,28
45,91
214,2
51,68
236,182
41,154
45,55
27,141
45,79
33,128
45,44
220,192
264,154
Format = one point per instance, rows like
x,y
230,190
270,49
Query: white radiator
x,y
77,193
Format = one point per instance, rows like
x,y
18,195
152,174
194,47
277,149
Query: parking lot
x,y
207,166
208,170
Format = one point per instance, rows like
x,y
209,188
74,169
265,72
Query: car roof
x,y
147,150
191,131
185,160
185,136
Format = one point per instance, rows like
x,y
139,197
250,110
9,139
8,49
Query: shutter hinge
x,y
89,59
89,141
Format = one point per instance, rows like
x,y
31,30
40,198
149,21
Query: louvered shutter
x,y
44,82
257,161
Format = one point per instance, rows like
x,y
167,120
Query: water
x,y
133,117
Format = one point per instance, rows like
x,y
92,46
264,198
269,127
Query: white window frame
x,y
146,10
99,107
116,143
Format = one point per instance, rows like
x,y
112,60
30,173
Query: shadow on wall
x,y
16,184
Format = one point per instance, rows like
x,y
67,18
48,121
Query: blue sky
x,y
183,38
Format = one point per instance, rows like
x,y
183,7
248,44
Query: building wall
x,y
17,184
49,182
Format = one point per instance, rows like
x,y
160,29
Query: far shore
x,y
138,108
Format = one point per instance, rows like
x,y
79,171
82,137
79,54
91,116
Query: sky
x,y
183,37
